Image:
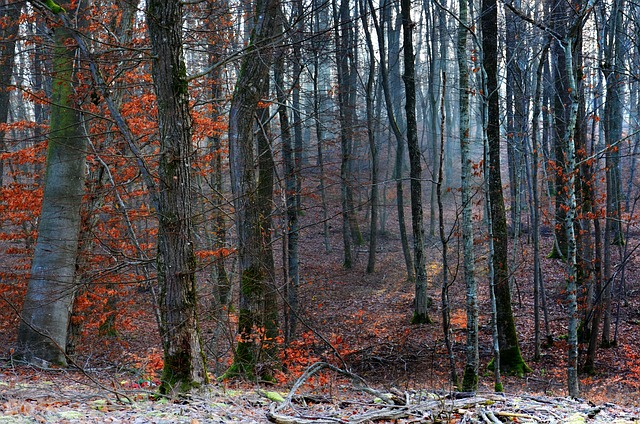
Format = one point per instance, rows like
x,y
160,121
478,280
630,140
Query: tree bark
x,y
9,14
254,308
396,129
45,314
184,362
420,314
373,147
511,360
470,378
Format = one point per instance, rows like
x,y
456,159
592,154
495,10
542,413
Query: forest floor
x,y
355,321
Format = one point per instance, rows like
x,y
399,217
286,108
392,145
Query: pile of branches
x,y
424,406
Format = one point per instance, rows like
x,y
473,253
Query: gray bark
x,y
45,315
470,379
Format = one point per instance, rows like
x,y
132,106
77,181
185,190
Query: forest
x,y
319,211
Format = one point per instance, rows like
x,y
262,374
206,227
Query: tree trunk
x,y
9,14
291,226
394,121
373,148
320,108
560,121
420,315
45,315
470,378
346,94
184,363
254,308
511,360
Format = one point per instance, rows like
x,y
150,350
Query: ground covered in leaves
x,y
380,368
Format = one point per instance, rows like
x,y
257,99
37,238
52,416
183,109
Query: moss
x,y
619,239
511,362
421,318
176,373
251,281
470,380
498,388
555,253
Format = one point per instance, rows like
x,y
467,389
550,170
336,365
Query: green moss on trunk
x,y
422,318
511,362
470,380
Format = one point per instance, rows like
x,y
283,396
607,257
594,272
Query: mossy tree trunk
x,y
184,362
511,360
256,315
47,307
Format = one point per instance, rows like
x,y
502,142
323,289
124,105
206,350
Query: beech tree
x,y
470,378
42,335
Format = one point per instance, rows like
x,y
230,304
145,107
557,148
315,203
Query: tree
x,y
470,378
373,147
47,306
184,362
420,314
255,315
511,360
346,74
395,124
9,13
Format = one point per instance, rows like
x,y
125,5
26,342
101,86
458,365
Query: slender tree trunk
x,y
420,314
470,379
613,119
291,226
320,107
535,201
446,305
511,360
572,365
373,148
342,37
42,335
559,15
397,132
9,14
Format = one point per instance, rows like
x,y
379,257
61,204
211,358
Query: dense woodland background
x,y
431,193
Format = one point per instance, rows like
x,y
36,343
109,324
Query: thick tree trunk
x,y
420,314
184,364
45,314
